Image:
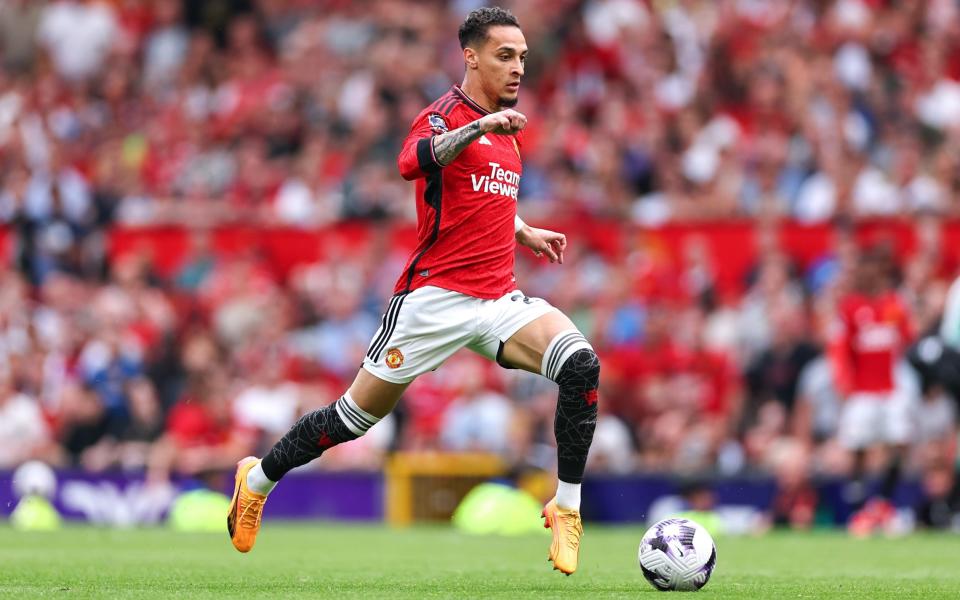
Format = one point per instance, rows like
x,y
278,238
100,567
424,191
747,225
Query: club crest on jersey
x,y
437,123
394,358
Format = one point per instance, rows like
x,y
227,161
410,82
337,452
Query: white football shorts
x,y
423,328
868,419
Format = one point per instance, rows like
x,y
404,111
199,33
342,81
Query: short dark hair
x,y
475,26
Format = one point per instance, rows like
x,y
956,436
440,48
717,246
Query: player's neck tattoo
x,y
447,146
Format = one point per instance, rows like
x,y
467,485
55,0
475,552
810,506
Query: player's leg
x,y
529,334
859,430
365,403
892,475
898,412
420,330
552,347
898,415
368,400
856,432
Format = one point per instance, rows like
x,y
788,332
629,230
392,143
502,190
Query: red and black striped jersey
x,y
465,210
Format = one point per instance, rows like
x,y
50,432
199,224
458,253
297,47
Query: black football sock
x,y
891,478
855,490
314,433
576,418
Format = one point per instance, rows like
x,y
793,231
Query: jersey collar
x,y
469,102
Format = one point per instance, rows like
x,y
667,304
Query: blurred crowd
x,y
290,112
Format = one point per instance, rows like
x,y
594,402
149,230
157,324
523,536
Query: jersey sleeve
x,y
839,350
417,158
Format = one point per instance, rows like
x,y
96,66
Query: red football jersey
x,y
871,335
465,210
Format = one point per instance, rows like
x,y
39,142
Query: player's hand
x,y
543,242
505,122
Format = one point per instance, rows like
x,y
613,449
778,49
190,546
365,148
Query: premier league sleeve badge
x,y
437,123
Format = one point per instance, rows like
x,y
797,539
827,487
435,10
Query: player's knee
x,y
581,373
561,349
584,365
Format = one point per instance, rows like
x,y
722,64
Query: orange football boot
x,y
567,530
246,508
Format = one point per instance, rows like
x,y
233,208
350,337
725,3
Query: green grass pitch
x,y
349,561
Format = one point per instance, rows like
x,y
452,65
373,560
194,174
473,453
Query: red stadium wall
x,y
732,245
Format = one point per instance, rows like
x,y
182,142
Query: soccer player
x,y
872,333
457,289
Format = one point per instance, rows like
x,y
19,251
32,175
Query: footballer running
x,y
457,289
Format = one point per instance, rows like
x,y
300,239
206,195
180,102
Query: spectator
x,y
77,34
18,30
773,375
940,506
269,403
201,436
165,48
479,419
143,429
795,505
23,428
84,426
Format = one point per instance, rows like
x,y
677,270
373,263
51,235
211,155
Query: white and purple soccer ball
x,y
677,555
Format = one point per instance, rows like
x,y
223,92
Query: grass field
x,y
342,561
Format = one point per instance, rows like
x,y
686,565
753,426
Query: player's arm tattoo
x,y
447,146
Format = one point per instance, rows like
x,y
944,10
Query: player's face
x,y
872,274
500,64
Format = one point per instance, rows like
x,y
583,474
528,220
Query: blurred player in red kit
x,y
873,330
457,289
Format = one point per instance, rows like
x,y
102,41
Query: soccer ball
x,y
677,555
34,478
